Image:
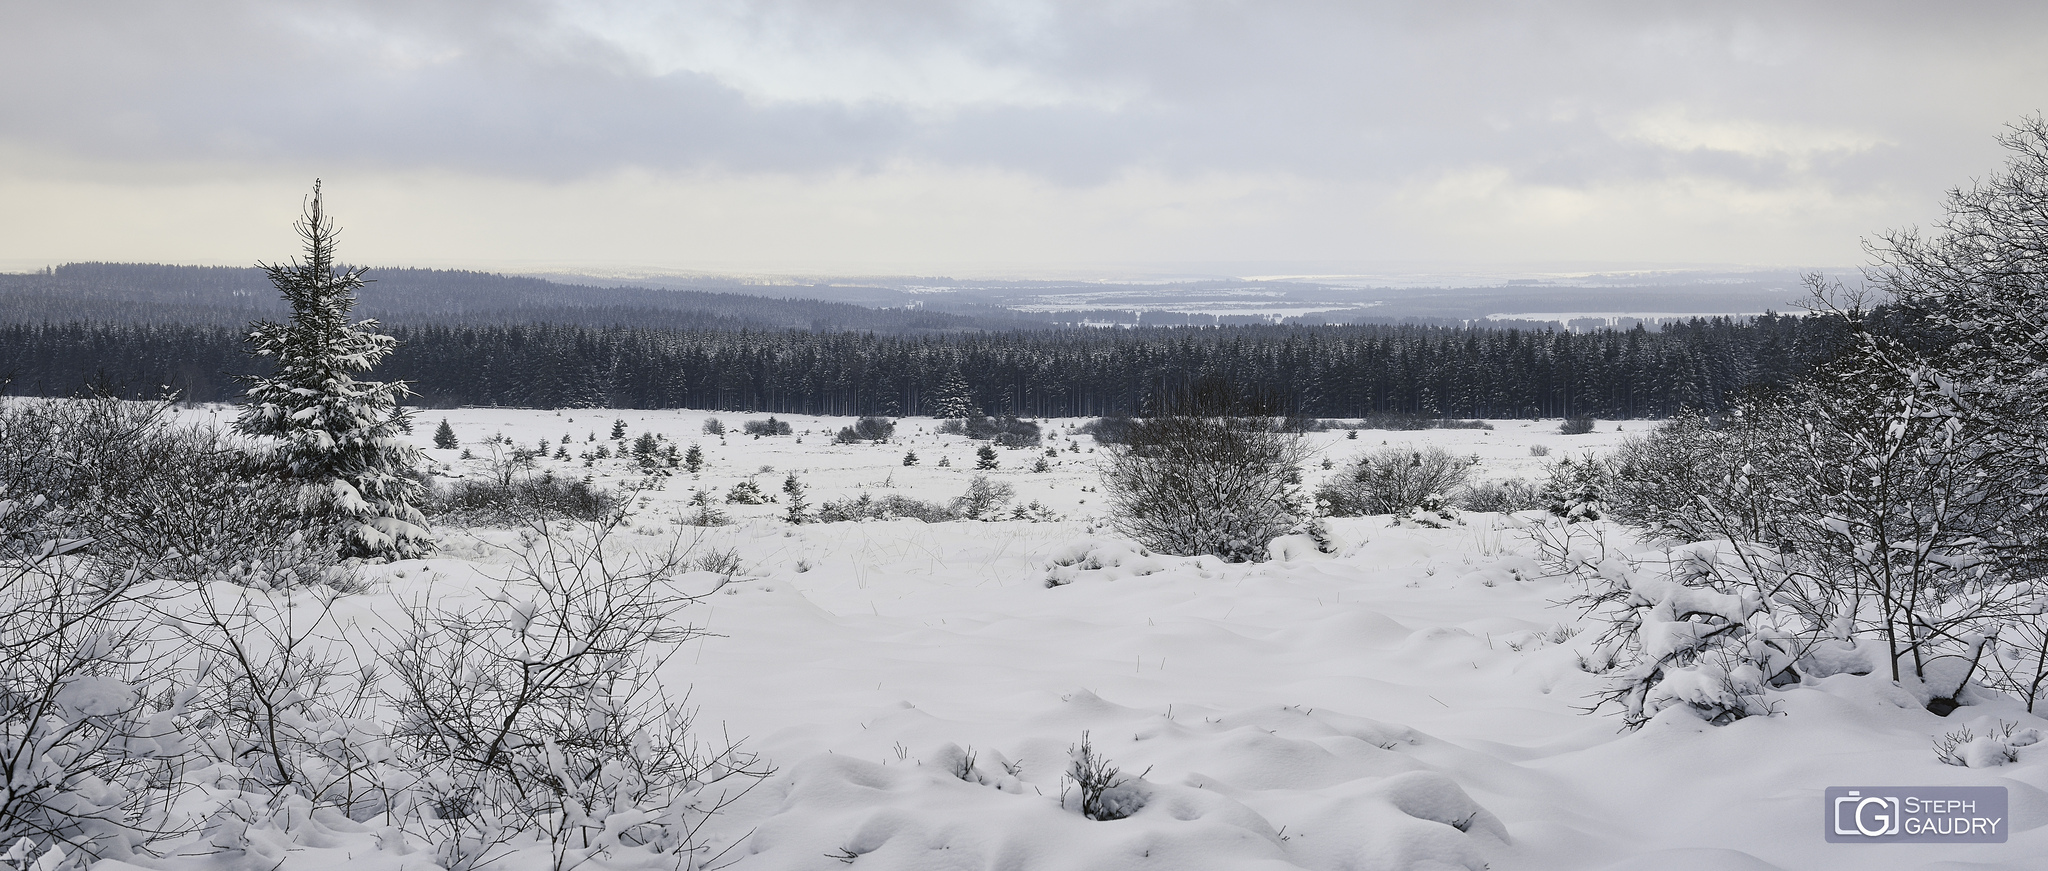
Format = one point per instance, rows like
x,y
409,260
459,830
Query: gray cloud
x,y
1454,126
1341,89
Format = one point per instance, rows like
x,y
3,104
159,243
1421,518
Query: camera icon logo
x,y
1870,816
1914,814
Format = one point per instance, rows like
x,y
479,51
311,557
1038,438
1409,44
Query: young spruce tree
x,y
338,436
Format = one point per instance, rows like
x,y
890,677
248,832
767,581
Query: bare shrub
x,y
769,427
1575,426
1695,478
285,697
1105,793
1392,480
2017,662
539,712
89,724
982,499
1206,477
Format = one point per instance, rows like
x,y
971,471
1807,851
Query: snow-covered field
x,y
1411,701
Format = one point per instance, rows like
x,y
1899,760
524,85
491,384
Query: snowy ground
x,y
1410,702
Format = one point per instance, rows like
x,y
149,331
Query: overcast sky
x,y
930,136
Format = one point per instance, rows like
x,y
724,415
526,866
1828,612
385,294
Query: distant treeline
x,y
1323,371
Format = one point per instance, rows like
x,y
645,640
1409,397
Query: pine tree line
x,y
1324,371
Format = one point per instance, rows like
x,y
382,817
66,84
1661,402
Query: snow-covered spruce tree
x,y
1207,475
338,436
951,398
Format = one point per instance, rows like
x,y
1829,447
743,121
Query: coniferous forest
x,y
1315,370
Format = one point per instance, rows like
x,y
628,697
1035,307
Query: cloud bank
x,y
933,134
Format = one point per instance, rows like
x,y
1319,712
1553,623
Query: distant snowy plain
x,y
1410,702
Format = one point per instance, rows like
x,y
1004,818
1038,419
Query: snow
x,y
1410,701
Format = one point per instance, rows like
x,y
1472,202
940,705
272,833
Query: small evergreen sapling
x,y
444,436
618,429
693,460
985,459
793,493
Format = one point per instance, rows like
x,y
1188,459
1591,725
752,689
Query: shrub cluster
x,y
1004,431
142,708
872,429
1392,480
1192,482
150,494
1506,496
495,502
1394,421
983,500
1107,430
769,427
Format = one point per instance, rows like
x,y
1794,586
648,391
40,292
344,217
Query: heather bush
x,y
1392,480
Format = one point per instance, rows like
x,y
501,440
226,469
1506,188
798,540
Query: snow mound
x,y
917,816
1099,560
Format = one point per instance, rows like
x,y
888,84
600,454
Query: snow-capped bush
x,y
1004,431
1392,480
1685,626
889,507
1107,560
1432,512
1206,480
1577,490
746,493
489,502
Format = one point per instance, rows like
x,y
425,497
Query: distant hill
x,y
150,293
